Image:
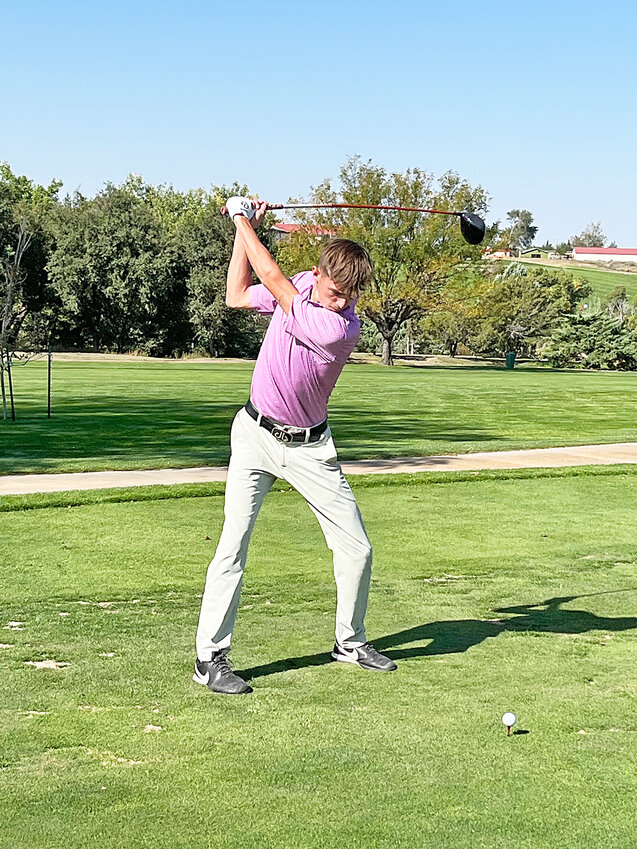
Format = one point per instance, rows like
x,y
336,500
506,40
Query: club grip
x,y
224,209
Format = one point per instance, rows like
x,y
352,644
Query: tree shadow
x,y
172,432
454,636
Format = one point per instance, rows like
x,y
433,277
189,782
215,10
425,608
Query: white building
x,y
605,254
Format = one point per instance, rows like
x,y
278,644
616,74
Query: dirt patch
x,y
47,664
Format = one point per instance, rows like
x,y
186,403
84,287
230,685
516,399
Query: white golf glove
x,y
240,206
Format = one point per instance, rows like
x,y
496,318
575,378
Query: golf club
x,y
472,226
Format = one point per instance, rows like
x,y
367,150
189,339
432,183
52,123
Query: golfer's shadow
x,y
453,636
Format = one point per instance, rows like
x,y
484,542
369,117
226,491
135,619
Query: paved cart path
x,y
581,455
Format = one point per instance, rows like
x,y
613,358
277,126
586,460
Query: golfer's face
x,y
327,293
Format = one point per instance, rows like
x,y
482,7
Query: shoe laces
x,y
223,664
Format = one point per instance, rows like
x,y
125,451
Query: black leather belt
x,y
286,433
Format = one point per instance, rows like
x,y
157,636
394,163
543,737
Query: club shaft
x,y
358,206
471,225
224,211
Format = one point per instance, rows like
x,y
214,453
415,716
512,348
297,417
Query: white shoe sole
x,y
343,658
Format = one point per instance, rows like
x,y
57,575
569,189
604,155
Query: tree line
x,y
435,293
519,233
134,268
142,268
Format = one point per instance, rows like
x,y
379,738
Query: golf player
x,y
282,432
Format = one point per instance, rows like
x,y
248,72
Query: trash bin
x,y
510,359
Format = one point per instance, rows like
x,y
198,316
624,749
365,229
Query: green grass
x,y
146,415
505,593
603,282
155,492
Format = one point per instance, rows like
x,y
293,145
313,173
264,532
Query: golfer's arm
x,y
264,266
239,277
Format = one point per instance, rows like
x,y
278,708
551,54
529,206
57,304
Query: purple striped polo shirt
x,y
302,355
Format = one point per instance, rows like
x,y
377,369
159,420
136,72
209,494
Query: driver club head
x,y
472,227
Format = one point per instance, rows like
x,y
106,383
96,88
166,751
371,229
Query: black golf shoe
x,y
217,675
365,656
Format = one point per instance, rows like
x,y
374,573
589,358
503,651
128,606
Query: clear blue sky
x,y
537,102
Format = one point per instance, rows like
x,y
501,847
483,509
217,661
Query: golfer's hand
x,y
260,210
240,206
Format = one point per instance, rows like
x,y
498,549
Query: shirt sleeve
x,y
319,329
262,300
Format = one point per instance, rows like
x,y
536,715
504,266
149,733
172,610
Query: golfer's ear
x,y
315,270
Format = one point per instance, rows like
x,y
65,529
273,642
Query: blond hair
x,y
348,264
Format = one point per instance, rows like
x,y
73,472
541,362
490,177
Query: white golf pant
x,y
257,459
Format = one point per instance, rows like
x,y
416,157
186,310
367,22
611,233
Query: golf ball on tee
x,y
508,719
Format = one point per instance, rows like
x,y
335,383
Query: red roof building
x,y
610,252
282,231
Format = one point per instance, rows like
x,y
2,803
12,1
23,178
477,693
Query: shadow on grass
x,y
175,432
388,433
457,635
526,368
166,431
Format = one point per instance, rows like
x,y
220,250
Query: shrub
x,y
593,341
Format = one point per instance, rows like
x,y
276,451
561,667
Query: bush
x,y
593,341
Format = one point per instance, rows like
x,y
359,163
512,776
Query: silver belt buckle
x,y
281,435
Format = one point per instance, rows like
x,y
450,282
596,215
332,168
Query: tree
x,y
563,248
590,237
141,267
457,319
118,269
521,231
24,289
207,239
522,306
414,255
618,305
593,341
445,330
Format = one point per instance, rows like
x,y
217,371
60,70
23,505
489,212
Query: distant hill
x,y
603,282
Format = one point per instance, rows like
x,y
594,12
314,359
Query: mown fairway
x,y
507,593
603,282
148,414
